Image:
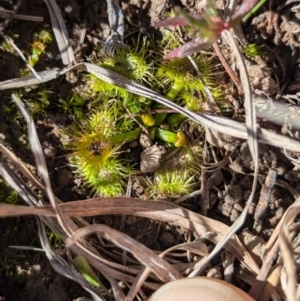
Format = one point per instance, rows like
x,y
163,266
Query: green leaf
x,y
87,272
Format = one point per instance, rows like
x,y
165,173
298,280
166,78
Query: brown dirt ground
x,y
226,203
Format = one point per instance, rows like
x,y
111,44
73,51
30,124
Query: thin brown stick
x,y
230,72
9,18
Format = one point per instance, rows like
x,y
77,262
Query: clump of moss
x,y
7,195
253,50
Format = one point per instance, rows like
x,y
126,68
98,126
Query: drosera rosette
x,y
132,63
41,40
176,76
184,81
182,85
110,179
171,183
96,149
95,86
178,174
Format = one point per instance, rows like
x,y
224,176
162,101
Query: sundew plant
x,y
99,143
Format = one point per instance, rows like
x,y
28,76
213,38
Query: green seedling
x,y
82,265
54,239
253,50
7,195
73,105
38,104
38,46
205,29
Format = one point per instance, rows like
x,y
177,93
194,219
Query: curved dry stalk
x,y
20,166
20,53
280,238
5,13
217,123
57,262
252,135
162,211
156,210
65,223
162,269
289,265
60,33
41,166
61,266
195,247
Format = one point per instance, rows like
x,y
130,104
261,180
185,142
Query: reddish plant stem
x,y
230,72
